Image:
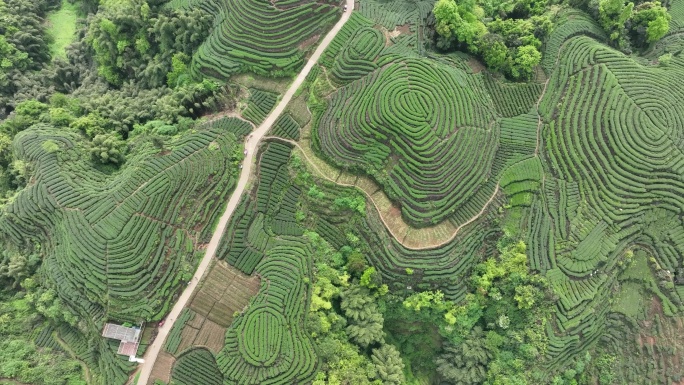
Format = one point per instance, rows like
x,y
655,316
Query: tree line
x,y
507,35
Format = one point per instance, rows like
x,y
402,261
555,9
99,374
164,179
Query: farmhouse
x,y
129,337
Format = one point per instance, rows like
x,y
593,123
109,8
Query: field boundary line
x,y
393,232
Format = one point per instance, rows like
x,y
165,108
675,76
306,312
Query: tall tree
x,y
389,365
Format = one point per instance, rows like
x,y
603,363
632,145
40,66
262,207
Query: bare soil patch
x,y
308,43
404,29
162,368
475,65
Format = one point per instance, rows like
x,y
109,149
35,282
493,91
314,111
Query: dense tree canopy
x,y
508,35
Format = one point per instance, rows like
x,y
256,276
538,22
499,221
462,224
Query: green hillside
x,y
460,192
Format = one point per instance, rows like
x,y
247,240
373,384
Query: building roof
x,y
121,333
128,348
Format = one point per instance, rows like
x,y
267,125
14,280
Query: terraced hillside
x,y
421,128
267,38
589,164
118,246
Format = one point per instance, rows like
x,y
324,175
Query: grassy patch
x,y
63,27
630,302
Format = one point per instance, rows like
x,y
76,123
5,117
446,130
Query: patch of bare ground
x,y
662,339
202,332
404,29
278,86
475,65
308,43
387,34
162,368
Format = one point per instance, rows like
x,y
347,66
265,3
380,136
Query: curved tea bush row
x,y
445,268
571,22
118,244
512,99
357,58
258,36
611,138
268,343
396,13
196,367
422,129
268,211
260,103
520,180
356,21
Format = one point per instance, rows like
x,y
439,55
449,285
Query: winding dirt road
x,y
251,145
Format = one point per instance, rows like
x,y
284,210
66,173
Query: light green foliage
x,y
50,146
108,148
483,28
526,58
314,192
63,27
179,70
371,278
654,18
460,20
12,59
356,203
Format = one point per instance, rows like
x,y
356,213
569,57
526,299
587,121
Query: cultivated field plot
x,y
259,36
224,292
117,245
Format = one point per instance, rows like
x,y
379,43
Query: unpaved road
x,y
251,146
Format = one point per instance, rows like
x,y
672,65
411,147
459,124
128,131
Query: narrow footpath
x,y
251,145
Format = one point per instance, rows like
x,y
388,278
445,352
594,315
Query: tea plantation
x,y
118,246
258,36
457,192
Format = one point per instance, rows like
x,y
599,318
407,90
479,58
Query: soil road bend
x,y
251,146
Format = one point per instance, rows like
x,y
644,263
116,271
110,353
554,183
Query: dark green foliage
x,y
389,365
23,44
507,35
196,367
365,320
136,40
465,363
